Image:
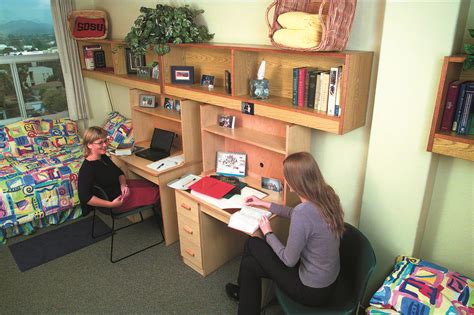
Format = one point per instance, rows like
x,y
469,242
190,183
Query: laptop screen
x,y
162,140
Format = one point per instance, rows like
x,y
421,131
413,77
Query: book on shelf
x,y
311,91
337,110
295,87
227,121
450,106
246,220
333,76
88,51
465,86
317,90
467,108
324,92
301,85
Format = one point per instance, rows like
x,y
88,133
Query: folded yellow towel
x,y
299,20
297,38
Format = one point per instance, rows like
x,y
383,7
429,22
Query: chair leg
x,y
93,227
134,253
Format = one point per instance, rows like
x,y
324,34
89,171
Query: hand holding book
x,y
254,201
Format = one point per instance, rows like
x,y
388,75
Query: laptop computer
x,y
160,145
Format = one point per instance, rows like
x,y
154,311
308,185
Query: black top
x,y
103,173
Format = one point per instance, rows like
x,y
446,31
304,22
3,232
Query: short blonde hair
x,y
91,135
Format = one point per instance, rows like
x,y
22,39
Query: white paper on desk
x,y
249,191
166,163
246,220
183,182
222,203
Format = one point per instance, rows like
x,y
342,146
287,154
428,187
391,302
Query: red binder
x,y
211,187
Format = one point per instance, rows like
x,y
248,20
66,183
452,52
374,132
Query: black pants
x,y
260,261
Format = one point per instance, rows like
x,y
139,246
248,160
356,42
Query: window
x,y
31,80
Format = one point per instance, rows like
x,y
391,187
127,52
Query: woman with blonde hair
x,y
306,268
99,170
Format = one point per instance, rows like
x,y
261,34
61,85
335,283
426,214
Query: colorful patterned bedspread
x,y
419,287
39,162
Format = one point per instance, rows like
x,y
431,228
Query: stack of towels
x,y
300,30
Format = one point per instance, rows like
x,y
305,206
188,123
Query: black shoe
x,y
232,291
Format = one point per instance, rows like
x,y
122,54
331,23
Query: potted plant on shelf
x,y
165,24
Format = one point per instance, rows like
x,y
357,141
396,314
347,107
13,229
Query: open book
x,y
246,220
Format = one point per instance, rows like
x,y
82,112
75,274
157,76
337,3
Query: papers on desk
x,y
183,182
246,220
166,163
234,202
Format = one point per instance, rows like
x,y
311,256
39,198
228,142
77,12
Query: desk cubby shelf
x,y
449,143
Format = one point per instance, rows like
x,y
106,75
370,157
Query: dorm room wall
x,y
387,185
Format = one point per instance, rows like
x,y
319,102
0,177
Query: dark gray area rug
x,y
48,246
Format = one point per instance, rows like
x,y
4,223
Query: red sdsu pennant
x,y
86,27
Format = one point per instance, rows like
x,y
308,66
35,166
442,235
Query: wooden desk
x,y
205,240
138,166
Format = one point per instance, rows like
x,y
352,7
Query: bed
x,y
39,162
419,287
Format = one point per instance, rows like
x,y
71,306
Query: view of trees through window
x,y
31,80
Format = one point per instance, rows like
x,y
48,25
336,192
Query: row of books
x,y
458,109
317,89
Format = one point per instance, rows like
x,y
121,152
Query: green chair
x,y
357,264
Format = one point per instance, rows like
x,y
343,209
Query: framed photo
x,y
227,121
182,75
272,184
99,58
207,80
231,163
133,62
169,103
155,71
177,106
147,101
247,108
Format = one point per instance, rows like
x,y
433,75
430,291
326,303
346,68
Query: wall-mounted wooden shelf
x,y
449,143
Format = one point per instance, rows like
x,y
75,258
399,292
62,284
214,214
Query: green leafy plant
x,y
469,49
165,24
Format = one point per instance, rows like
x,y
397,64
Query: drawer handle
x,y
188,230
185,206
189,252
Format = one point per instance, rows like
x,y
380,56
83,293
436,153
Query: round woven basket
x,y
335,28
90,14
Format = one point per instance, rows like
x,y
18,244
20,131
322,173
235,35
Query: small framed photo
x,y
272,184
169,103
155,71
133,61
182,75
147,101
207,80
227,121
247,108
231,163
177,106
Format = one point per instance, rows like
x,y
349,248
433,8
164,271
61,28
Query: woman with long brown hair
x,y
306,268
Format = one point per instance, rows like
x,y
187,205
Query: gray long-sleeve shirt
x,y
310,241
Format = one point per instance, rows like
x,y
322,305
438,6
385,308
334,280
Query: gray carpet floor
x,y
85,282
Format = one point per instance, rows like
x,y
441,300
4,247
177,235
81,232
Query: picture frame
x,y
169,103
99,58
227,121
231,163
133,62
207,80
155,71
177,106
271,184
182,75
147,100
248,108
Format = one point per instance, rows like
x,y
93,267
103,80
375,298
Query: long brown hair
x,y
303,175
92,134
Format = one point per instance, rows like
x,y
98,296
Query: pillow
x,y
416,286
119,129
21,137
60,132
297,38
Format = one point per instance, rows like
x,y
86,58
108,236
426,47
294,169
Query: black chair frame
x,y
156,208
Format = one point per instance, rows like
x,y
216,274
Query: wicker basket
x,y
90,14
335,28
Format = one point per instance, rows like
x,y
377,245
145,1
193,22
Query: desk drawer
x,y
189,229
191,252
187,207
